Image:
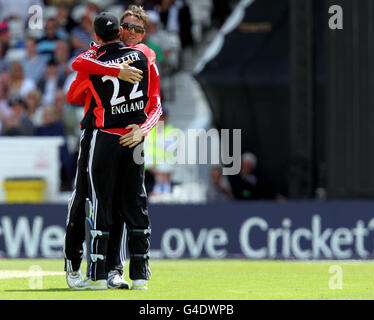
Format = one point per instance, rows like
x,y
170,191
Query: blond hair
x,y
137,12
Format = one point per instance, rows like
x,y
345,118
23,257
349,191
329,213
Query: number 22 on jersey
x,y
115,100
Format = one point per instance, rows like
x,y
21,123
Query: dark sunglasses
x,y
129,26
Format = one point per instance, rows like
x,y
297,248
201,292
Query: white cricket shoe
x,y
88,284
139,284
116,281
73,277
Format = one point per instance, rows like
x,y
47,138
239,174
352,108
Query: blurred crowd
x,y
38,41
37,47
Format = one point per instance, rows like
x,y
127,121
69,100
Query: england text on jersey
x,y
124,108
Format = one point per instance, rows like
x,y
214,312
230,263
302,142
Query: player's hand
x,y
129,74
134,137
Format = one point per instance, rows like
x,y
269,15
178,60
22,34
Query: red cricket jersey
x,y
84,89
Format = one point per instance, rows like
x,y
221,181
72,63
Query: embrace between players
x,y
118,84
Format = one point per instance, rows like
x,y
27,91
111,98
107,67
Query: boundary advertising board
x,y
249,230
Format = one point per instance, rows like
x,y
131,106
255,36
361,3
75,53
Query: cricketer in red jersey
x,y
80,94
83,90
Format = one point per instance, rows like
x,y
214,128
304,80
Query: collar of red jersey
x,y
111,46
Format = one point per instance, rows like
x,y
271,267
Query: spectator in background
x,y
5,84
50,124
163,183
63,18
245,185
154,151
146,4
18,124
62,58
169,43
18,84
33,107
5,109
66,114
93,7
176,17
153,20
4,32
55,3
34,64
82,35
48,42
219,189
3,62
49,84
53,127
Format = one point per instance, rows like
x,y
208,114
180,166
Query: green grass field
x,y
203,280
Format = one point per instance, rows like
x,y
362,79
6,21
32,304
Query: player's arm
x,y
87,63
78,89
77,93
155,110
138,132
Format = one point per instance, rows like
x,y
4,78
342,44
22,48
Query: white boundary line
x,y
9,274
